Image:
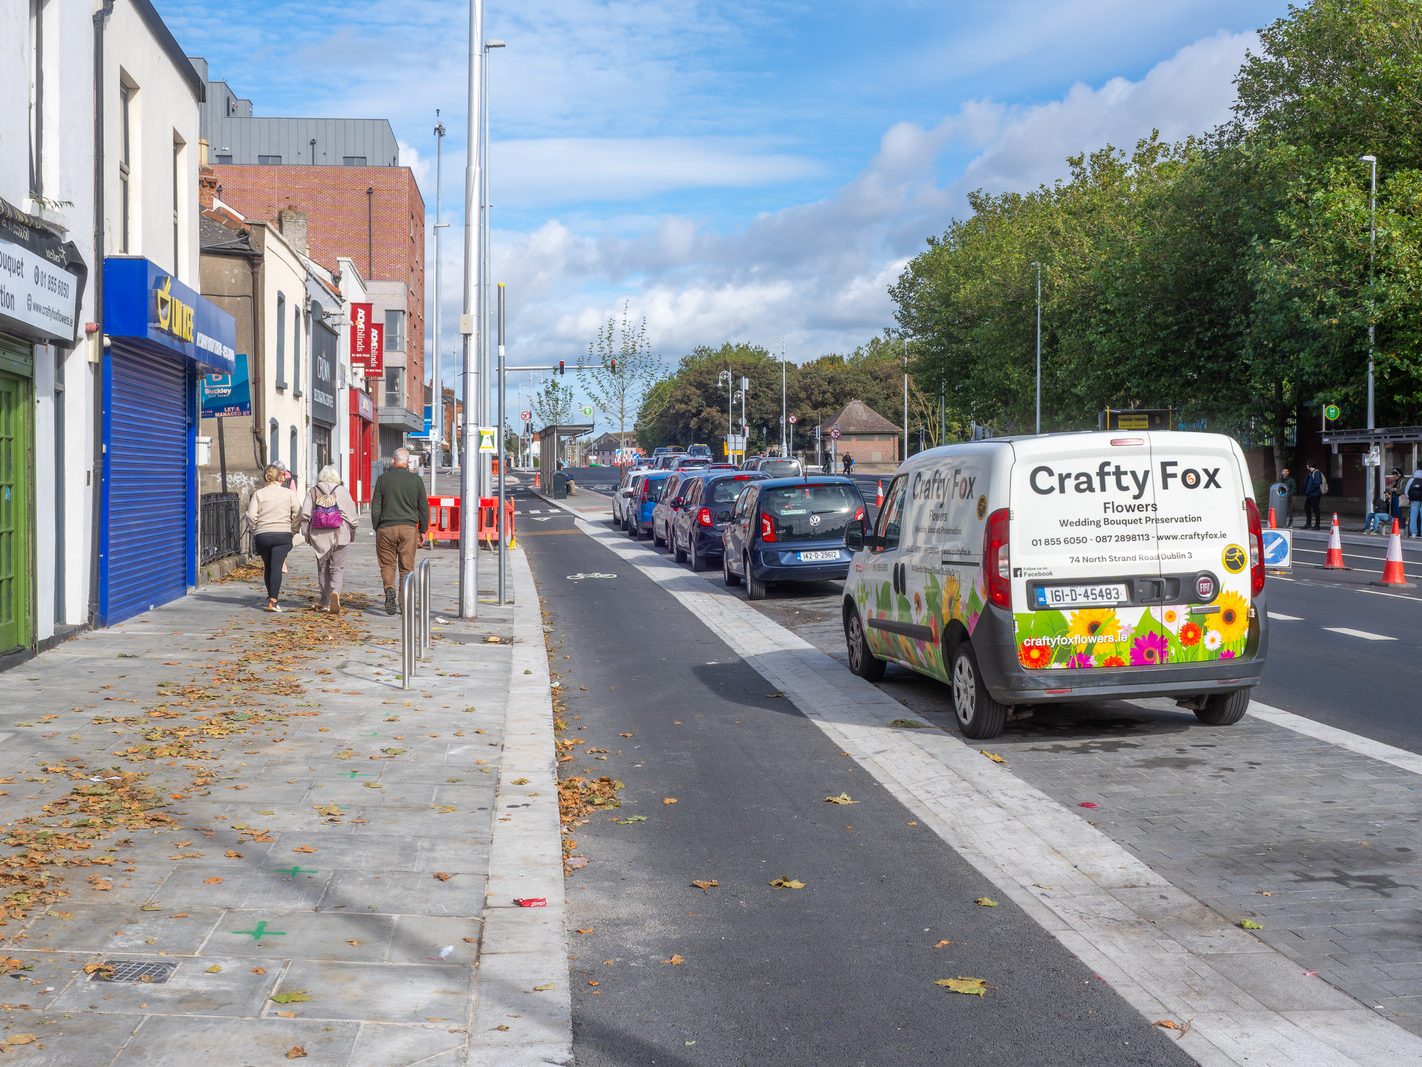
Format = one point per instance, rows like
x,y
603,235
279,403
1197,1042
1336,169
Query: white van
x,y
1028,570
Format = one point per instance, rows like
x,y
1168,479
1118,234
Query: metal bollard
x,y
409,634
426,641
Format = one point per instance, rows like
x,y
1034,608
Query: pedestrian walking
x,y
1315,485
1413,491
272,515
328,522
400,514
848,462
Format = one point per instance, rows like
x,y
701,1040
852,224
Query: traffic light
x,y
562,367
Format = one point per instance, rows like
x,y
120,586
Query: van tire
x,y
1224,709
861,661
726,575
755,588
979,715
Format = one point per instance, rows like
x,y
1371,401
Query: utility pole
x,y
1038,265
745,429
905,455
500,522
1372,162
473,182
437,423
784,412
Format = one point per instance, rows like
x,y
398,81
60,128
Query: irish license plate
x,y
1080,596
819,557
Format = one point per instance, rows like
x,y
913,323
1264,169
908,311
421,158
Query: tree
x,y
622,370
553,404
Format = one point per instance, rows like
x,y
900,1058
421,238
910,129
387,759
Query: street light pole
x,y
437,423
905,455
784,411
727,379
486,325
473,183
1038,265
1372,162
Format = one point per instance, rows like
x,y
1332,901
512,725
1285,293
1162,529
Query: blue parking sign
x,y
1278,549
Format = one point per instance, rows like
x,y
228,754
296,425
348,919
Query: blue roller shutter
x,y
148,523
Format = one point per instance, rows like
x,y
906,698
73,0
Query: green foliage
x,y
621,369
552,404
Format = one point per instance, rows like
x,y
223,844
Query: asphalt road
x,y
839,972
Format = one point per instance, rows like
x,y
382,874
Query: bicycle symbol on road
x,y
593,574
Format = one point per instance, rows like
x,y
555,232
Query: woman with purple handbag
x,y
328,522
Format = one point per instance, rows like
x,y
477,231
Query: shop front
x,y
362,444
41,284
324,358
160,335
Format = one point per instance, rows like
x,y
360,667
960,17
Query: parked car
x,y
623,493
703,451
1072,566
776,466
671,501
687,461
668,460
790,529
696,528
646,491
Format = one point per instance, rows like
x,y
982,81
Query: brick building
x,y
376,217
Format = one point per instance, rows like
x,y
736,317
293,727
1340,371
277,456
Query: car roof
x,y
810,479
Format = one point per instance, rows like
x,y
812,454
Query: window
x,y
269,161
281,341
353,161
394,331
125,161
891,518
394,387
37,98
177,200
296,352
224,158
274,446
291,455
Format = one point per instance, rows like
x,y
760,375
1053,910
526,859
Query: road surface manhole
x,y
134,971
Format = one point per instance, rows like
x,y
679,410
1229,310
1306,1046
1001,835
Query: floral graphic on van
x,y
1149,649
1233,619
1093,625
1190,634
1034,656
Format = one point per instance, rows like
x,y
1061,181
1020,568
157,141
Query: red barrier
x,y
444,519
488,522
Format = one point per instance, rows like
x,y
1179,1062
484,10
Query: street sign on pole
x,y
525,416
1332,412
834,432
487,443
1279,550
793,420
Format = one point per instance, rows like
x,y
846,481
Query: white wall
x,y
285,274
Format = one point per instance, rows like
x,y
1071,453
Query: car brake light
x,y
996,569
767,528
859,514
703,517
646,491
1256,549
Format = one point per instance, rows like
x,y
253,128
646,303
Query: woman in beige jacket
x,y
272,515
328,521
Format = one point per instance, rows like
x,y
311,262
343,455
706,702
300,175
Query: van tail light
x,y
1256,549
767,528
996,569
703,517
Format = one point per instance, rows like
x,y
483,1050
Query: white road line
x,y
1363,634
1279,616
1164,963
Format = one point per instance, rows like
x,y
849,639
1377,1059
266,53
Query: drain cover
x,y
134,971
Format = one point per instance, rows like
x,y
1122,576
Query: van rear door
x,y
1087,586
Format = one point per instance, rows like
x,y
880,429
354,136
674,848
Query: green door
x,y
14,512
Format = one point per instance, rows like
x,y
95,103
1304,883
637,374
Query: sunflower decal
x,y
1232,622
1091,624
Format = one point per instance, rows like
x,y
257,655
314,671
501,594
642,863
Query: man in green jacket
x,y
400,513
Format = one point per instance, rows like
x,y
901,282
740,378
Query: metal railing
x,y
415,637
220,526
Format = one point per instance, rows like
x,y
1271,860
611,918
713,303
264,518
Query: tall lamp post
x,y
727,379
473,381
1372,162
486,325
905,455
1038,265
437,423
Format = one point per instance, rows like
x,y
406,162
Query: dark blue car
x,y
647,490
694,534
790,530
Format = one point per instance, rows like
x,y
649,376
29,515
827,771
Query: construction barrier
x,y
444,519
488,520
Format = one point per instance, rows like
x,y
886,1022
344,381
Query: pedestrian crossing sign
x,y
486,440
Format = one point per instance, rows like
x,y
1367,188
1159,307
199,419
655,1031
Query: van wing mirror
x,y
854,537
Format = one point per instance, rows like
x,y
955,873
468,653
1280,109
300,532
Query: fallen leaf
x,y
214,969
520,781
584,930
675,960
443,876
502,1026
353,941
104,969
296,1052
626,735
296,996
21,1039
544,987
151,907
593,981
1088,804
991,755
706,884
1266,892
233,854
1167,1024
445,809
1250,924
287,1014
973,987
784,882
985,902
259,970
842,798
214,880
909,724
630,819
668,800
944,943
306,849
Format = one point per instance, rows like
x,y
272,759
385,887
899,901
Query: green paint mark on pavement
x,y
294,870
259,931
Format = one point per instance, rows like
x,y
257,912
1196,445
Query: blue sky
x,y
751,171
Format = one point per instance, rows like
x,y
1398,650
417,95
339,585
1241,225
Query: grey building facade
x,y
235,135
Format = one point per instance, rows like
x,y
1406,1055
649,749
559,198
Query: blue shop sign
x,y
224,395
147,307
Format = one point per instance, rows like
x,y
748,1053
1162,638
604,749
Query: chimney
x,y
207,188
292,224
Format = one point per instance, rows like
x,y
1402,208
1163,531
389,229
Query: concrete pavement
x,y
234,838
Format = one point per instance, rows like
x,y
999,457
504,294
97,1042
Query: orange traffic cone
x,y
535,479
1334,560
1393,573
879,495
1272,524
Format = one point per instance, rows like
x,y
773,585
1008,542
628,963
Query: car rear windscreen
x,y
809,511
726,490
780,468
655,486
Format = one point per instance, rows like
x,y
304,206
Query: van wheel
x,y
861,661
677,550
726,575
979,715
1224,709
755,588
